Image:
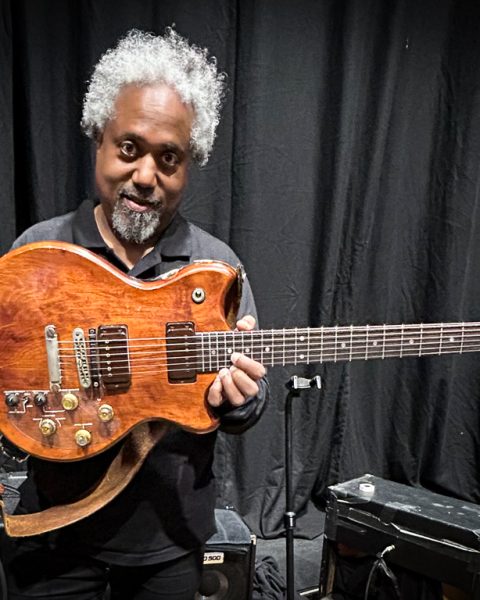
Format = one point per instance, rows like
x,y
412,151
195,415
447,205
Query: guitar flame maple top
x,y
87,352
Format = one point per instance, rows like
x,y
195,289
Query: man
x,y
152,105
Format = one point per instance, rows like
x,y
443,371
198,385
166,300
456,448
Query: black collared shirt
x,y
167,510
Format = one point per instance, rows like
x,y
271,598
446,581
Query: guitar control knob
x,y
11,400
105,413
69,401
40,399
48,427
83,437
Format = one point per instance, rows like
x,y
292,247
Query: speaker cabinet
x,y
423,532
229,560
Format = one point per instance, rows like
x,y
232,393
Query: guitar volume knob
x,y
105,413
83,437
69,401
48,427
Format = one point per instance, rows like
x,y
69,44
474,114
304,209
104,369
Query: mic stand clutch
x,y
295,386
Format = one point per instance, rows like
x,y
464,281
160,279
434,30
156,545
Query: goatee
x,y
134,226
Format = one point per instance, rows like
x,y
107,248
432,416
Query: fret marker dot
x,y
302,356
213,352
267,349
302,338
452,339
344,345
410,341
229,350
375,343
247,350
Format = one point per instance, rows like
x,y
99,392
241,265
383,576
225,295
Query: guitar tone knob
x,y
40,399
48,427
69,401
105,413
11,400
83,437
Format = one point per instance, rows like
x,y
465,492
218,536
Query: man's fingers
x,y
251,367
237,386
246,323
215,396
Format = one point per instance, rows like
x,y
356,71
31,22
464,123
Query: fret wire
x,y
296,341
366,345
272,347
441,339
351,343
321,345
463,335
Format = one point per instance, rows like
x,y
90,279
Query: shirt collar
x,y
174,244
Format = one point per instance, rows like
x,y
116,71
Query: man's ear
x,y
98,139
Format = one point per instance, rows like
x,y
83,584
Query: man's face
x,y
142,161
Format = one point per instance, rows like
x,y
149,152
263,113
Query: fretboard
x,y
335,344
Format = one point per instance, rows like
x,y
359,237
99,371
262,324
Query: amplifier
x,y
434,535
229,560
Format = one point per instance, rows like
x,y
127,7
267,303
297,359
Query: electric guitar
x,y
87,352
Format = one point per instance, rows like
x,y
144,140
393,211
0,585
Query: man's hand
x,y
236,384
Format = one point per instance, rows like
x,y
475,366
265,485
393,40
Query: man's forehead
x,y
146,110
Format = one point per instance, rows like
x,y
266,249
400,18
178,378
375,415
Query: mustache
x,y
140,197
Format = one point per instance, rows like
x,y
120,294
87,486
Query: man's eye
x,y
128,149
170,159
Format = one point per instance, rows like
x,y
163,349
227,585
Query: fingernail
x,y
234,356
224,373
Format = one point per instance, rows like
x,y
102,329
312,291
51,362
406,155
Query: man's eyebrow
x,y
135,137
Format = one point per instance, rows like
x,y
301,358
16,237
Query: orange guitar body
x,y
70,289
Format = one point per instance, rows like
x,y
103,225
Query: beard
x,y
133,226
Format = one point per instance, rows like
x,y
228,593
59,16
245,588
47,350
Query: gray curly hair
x,y
143,58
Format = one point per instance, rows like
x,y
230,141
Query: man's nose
x,y
145,173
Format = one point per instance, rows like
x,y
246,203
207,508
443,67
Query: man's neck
x,y
127,252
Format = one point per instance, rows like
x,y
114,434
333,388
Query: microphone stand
x,y
295,386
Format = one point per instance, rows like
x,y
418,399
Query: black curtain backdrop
x,y
345,175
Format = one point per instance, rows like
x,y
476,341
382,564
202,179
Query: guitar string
x,y
208,364
268,339
225,344
340,331
299,352
148,373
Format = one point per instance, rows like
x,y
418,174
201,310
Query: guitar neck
x,y
336,344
